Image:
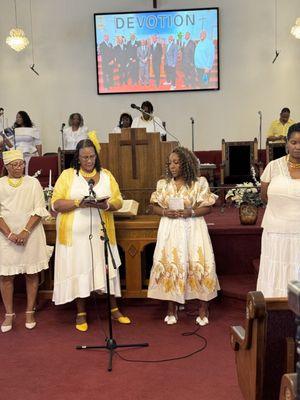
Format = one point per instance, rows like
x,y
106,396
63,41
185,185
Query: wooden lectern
x,y
137,160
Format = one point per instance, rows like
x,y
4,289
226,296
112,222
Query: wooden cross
x,y
133,143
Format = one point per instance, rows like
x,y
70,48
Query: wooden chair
x,y
264,348
44,164
65,157
275,150
237,160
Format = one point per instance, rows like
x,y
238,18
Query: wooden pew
x,y
264,347
288,389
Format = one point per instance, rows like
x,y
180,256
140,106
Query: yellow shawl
x,y
62,190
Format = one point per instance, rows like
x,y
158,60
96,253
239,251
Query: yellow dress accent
x,y
62,191
183,262
79,259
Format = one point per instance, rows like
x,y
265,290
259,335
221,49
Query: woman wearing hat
x,y
23,248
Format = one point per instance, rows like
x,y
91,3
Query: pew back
x,y
264,348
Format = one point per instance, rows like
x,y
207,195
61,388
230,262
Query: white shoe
x,y
202,321
7,328
170,319
30,325
172,87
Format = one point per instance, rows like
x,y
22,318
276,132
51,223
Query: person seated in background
x,y
278,128
147,120
27,137
124,122
75,132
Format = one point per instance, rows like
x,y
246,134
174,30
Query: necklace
x,y
88,174
15,182
293,165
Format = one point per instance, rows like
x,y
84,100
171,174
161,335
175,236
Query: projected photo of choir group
x,y
157,51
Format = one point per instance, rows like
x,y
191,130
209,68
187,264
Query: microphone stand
x,y
62,137
157,123
260,135
193,134
111,343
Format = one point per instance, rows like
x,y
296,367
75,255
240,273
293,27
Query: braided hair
x,y
82,145
189,165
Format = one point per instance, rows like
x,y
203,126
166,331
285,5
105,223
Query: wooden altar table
x,y
235,246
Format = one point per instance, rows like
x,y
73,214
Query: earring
x,y
286,150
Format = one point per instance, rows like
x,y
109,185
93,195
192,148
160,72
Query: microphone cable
x,y
162,360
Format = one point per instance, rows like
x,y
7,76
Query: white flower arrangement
x,y
244,192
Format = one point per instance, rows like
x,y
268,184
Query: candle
x,y
50,179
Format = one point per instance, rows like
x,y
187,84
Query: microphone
x,y
259,113
62,126
192,120
92,193
136,107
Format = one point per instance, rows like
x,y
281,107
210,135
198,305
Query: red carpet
x,y
43,363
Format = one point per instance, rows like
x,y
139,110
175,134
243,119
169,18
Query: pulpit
x,y
137,159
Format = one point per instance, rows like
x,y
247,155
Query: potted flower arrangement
x,y
247,198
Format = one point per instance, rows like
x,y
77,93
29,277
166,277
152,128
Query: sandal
x,y
30,325
121,319
84,326
7,328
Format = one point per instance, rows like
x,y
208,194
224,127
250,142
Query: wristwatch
x,y
193,214
76,203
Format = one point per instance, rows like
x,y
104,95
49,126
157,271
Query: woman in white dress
x,y
23,247
280,244
79,257
27,137
183,263
124,122
75,132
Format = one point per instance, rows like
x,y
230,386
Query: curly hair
x,y
189,165
27,123
82,145
81,122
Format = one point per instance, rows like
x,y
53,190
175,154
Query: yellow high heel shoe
x,y
122,319
84,326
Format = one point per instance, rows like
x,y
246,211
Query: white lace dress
x,y
183,262
17,205
280,244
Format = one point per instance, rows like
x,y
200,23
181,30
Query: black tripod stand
x,y
111,343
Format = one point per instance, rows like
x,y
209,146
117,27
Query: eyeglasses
x,y
86,158
16,165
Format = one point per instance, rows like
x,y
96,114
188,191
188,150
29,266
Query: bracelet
x,y
193,214
9,235
76,203
163,212
27,230
107,208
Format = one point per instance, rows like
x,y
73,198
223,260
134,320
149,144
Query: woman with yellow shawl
x,y
79,256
